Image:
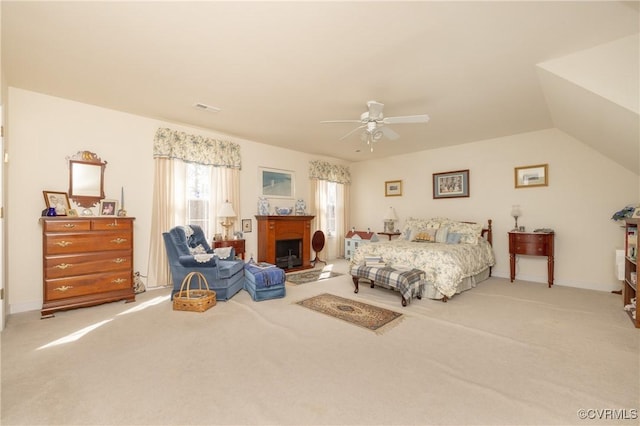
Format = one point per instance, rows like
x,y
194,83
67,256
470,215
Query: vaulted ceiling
x,y
479,69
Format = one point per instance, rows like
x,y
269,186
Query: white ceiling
x,y
276,69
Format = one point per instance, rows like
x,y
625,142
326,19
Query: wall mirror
x,y
86,178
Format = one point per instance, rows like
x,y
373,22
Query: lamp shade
x,y
391,214
226,210
515,210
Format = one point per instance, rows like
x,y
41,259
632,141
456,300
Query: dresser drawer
x,y
66,225
111,224
63,288
77,242
82,264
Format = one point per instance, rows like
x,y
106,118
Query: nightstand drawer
x,y
529,238
534,249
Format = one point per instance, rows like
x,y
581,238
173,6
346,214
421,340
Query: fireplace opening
x,y
288,253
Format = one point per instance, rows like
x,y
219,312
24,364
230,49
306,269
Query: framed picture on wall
x,y
276,183
451,184
246,225
393,188
528,176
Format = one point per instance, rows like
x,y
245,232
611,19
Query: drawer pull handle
x,y
63,266
64,288
113,224
69,225
118,281
119,260
64,243
119,240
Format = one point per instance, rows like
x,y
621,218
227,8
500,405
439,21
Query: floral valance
x,y
323,170
196,149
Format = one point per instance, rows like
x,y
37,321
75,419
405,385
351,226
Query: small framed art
x,y
57,200
393,188
451,184
246,225
108,207
528,176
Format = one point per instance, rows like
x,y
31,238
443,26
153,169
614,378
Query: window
x,y
331,208
198,199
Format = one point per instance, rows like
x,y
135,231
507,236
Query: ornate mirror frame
x,y
86,178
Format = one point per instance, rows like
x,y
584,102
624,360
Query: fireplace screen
x,y
288,253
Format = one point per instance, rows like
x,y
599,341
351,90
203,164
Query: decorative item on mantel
x,y
300,208
122,211
284,211
263,206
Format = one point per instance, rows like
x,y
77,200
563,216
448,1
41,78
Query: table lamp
x,y
389,218
226,213
516,213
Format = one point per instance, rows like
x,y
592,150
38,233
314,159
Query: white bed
x,y
454,255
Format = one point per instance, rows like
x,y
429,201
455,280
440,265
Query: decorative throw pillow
x,y
453,238
441,234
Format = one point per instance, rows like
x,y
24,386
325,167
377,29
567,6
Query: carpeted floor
x,y
500,354
358,313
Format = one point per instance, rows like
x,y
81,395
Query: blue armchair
x,y
188,250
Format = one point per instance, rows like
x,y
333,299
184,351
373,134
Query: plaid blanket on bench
x,y
409,283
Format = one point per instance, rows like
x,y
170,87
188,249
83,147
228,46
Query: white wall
x,y
42,131
585,189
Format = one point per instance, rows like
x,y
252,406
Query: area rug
x,y
358,313
310,276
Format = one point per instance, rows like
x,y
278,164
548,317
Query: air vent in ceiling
x,y
205,107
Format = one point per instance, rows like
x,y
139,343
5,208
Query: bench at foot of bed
x,y
409,283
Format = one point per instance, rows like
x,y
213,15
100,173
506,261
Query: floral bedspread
x,y
445,265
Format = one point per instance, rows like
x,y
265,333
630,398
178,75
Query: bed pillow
x,y
441,234
428,235
469,232
453,238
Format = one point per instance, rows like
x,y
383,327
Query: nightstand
x,y
238,245
389,234
531,244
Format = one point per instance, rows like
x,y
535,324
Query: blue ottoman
x,y
264,281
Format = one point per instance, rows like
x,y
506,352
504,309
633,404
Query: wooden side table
x,y
389,234
532,244
238,245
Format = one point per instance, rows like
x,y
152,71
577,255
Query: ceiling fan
x,y
373,122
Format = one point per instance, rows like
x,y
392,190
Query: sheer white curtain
x,y
322,175
172,152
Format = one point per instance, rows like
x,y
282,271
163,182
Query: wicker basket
x,y
195,300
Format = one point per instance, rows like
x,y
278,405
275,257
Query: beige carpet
x,y
499,354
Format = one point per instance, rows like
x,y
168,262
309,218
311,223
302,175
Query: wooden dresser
x,y
86,261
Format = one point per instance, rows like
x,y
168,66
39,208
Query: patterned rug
x,y
358,313
310,276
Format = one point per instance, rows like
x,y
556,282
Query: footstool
x,y
264,281
408,282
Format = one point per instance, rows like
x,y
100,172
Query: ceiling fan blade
x,y
352,132
375,110
406,119
341,121
389,134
